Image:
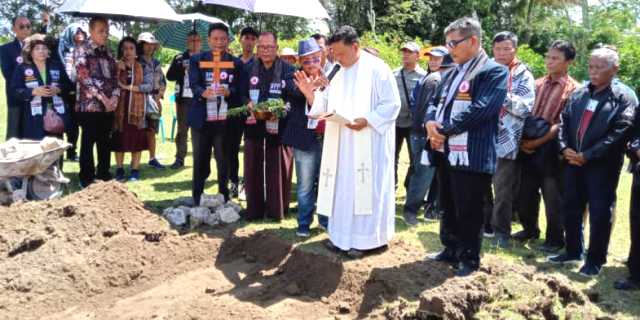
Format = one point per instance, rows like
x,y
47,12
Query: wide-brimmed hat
x,y
307,47
148,38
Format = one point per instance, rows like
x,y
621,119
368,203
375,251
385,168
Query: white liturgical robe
x,y
356,187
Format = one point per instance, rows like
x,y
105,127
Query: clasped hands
x,y
45,91
436,139
211,92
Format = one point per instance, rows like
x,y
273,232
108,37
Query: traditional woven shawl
x,y
134,103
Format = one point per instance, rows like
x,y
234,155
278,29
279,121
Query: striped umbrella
x,y
174,35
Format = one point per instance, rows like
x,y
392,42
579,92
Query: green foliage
x,y
629,58
534,60
165,55
276,107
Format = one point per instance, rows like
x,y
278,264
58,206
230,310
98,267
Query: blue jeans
x,y
307,170
421,178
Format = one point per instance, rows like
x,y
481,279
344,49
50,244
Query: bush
x,y
534,60
165,55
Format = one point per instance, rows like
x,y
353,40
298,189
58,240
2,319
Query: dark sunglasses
x,y
24,26
311,61
454,43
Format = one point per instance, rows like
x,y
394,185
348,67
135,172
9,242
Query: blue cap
x,y
307,47
438,52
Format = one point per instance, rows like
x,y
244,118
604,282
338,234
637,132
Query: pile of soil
x,y
57,254
99,254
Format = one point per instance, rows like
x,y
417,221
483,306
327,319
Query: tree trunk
x,y
527,29
586,23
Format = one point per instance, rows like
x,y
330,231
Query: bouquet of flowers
x,y
270,109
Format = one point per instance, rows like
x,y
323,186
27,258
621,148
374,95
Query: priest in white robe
x,y
356,186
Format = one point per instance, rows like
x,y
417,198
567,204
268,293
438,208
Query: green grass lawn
x,y
158,188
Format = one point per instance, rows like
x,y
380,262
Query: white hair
x,y
609,55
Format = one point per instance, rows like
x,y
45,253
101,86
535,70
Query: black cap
x,y
248,30
447,62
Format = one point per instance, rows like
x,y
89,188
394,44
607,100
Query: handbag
x,y
53,123
151,109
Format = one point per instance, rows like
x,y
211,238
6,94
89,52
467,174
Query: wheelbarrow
x,y
29,170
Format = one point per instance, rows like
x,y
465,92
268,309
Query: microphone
x,y
332,74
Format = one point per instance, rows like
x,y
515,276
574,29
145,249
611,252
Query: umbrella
x,y
139,10
310,9
174,35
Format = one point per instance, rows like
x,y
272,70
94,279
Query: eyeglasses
x,y
24,26
311,61
454,43
266,47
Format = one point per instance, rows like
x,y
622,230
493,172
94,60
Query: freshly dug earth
x,y
99,254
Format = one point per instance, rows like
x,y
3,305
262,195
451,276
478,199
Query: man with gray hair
x,y
462,128
593,134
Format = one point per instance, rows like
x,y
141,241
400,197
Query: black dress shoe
x,y
331,247
444,256
551,248
627,285
354,254
465,270
524,236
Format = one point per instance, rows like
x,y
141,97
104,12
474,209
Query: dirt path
x,y
99,254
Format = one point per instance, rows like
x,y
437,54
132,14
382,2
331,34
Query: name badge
x,y
208,76
593,104
254,95
55,75
274,88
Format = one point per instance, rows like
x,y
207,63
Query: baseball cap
x,y
411,46
438,52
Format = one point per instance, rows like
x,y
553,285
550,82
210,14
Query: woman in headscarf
x,y
129,132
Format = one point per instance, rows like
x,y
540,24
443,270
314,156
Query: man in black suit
x,y
10,57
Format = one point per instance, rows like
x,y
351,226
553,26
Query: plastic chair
x,y
174,119
161,125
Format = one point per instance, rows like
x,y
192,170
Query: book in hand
x,y
335,117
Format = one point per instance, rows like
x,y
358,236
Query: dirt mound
x,y
58,253
99,254
527,293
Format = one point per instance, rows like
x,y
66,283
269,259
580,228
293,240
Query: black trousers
x,y
593,184
462,196
533,182
233,139
96,130
73,129
204,140
403,135
634,221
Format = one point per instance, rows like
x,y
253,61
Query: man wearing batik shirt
x,y
97,99
593,134
552,93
